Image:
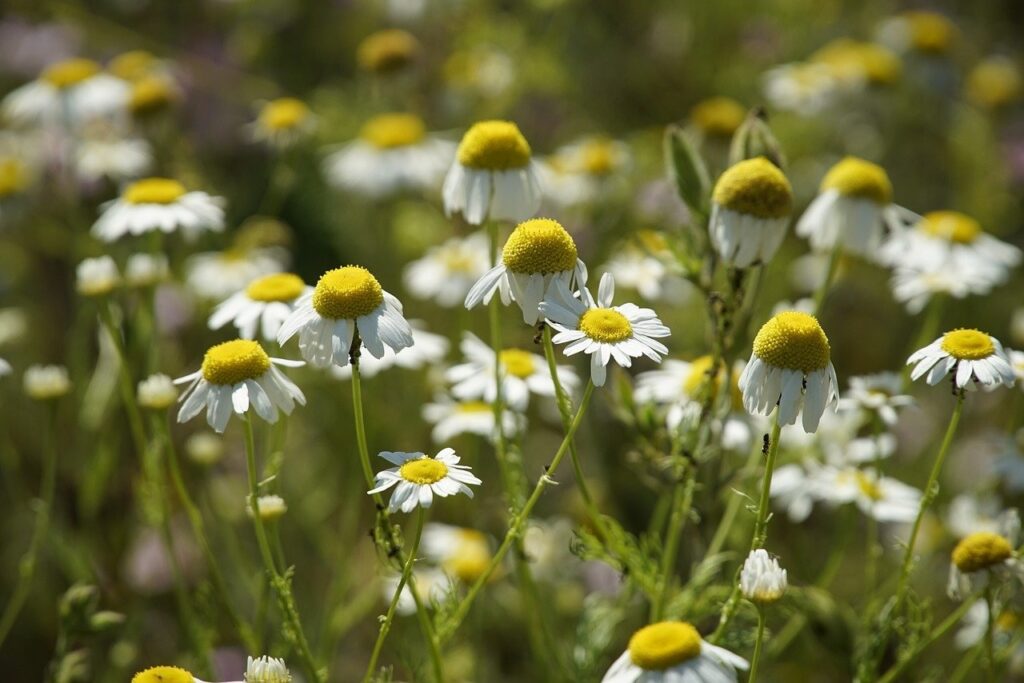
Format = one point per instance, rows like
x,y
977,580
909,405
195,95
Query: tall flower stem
x,y
990,627
498,406
830,274
682,499
758,642
125,379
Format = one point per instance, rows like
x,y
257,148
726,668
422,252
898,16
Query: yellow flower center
x,y
163,674
386,51
347,293
132,65
868,486
605,325
598,157
458,260
951,225
387,131
981,550
277,287
235,361
652,240
755,187
539,245
852,58
153,191
423,471
13,178
994,82
473,407
968,344
718,116
793,341
494,146
283,113
698,377
70,72
853,177
663,645
1007,620
150,93
930,32
517,362
471,558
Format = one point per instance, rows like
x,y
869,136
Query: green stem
x,y
830,273
990,648
758,641
125,379
929,328
682,498
732,509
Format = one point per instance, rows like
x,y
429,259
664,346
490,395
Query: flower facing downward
x,y
975,357
986,555
417,478
673,652
762,580
752,202
265,304
266,670
159,204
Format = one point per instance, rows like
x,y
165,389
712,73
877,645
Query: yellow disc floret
x,y
930,32
981,550
793,341
517,362
605,325
423,471
388,131
153,191
968,344
718,116
276,287
386,51
494,146
284,113
150,94
539,245
755,187
70,72
598,156
347,293
853,59
235,361
853,177
132,65
473,407
700,373
954,226
663,645
163,674
13,178
995,82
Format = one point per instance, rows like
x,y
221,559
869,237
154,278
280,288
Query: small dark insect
x,y
766,444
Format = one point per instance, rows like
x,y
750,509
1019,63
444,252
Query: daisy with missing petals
x,y
493,177
265,304
452,418
538,255
346,301
235,376
447,272
791,368
673,652
603,331
417,478
750,210
986,555
76,89
974,357
159,204
283,122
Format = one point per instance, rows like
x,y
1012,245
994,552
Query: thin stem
x,y
125,379
758,641
732,509
990,648
929,328
830,273
682,497
360,420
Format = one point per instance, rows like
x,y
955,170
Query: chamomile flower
x,y
75,89
984,556
157,392
462,553
217,275
914,287
165,674
236,376
264,304
523,373
582,171
394,152
160,204
883,498
654,277
113,156
538,256
673,652
1016,359
922,31
346,301
717,117
974,357
283,122
432,585
803,88
46,382
790,368
751,207
427,350
271,507
447,272
762,580
266,670
5,368
452,418
602,331
684,385
493,176
146,270
387,51
417,478
880,394
97,276
995,82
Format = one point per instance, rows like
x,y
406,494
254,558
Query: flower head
x,y
417,478
97,276
264,304
976,358
986,555
671,651
718,116
266,670
752,202
157,392
159,204
46,382
762,580
164,674
387,51
283,121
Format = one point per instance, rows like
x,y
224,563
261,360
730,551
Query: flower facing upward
x,y
264,304
673,652
762,580
387,51
283,122
976,358
452,418
751,206
791,368
417,478
160,204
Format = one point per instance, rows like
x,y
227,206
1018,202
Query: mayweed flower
x,y
97,276
235,376
751,206
15,178
493,176
994,82
266,670
159,204
165,674
684,385
855,64
146,270
283,122
447,272
538,255
922,31
985,555
427,350
580,172
75,89
673,652
762,580
602,331
882,498
219,274
157,392
271,507
46,382
914,287
452,418
975,357
717,117
111,155
790,367
387,51
152,94
462,553
417,478
879,394
204,448
346,301
265,304
804,88
134,65
655,277
432,586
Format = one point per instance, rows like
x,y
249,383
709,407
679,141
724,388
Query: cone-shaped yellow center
x,y
276,287
853,177
70,72
598,157
951,225
755,187
698,378
718,116
387,50
605,325
347,293
284,113
663,645
517,362
151,93
235,361
132,65
163,674
423,471
494,146
930,32
793,341
153,191
13,178
387,131
539,245
981,550
994,82
968,344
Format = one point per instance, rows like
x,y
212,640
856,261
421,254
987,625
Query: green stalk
x,y
125,379
830,273
758,642
682,498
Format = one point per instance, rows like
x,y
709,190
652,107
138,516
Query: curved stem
x,y
758,641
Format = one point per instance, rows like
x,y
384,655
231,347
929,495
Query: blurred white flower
x,y
44,382
146,270
451,418
74,89
219,274
427,350
263,305
447,272
157,392
159,204
97,276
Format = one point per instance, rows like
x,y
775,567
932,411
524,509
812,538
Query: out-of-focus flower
x,y
854,64
922,31
879,394
160,204
547,544
968,513
462,553
152,94
75,89
762,580
451,418
111,155
994,82
682,383
217,275
15,179
432,585
271,507
427,350
717,117
204,448
447,272
13,325
985,556
805,89
671,652
97,276
387,51
485,70
582,171
751,208
914,288
417,478
264,304
146,270
654,277
974,357
157,392
283,122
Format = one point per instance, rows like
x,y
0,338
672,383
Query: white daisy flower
x,y
915,287
45,382
880,394
235,376
264,304
77,89
750,210
159,204
217,275
346,301
111,156
654,278
1016,359
680,385
975,357
283,122
266,670
522,373
580,172
271,507
493,176
427,350
883,498
986,555
673,652
791,368
393,153
462,553
156,392
602,331
803,88
97,276
447,272
146,270
762,580
452,418
417,478
968,513
432,585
